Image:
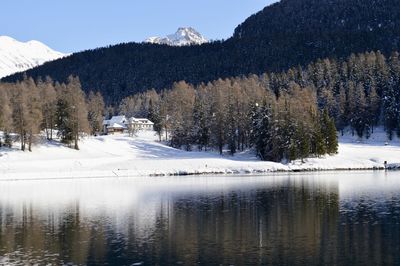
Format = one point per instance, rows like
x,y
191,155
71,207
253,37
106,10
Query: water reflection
x,y
294,220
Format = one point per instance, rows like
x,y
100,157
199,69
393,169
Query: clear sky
x,y
74,25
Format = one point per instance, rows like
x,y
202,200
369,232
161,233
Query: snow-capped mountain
x,y
18,56
184,36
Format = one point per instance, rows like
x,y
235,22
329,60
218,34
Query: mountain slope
x,y
182,37
285,34
17,56
300,31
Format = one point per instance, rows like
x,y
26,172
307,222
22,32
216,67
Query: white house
x,y
117,124
140,124
120,124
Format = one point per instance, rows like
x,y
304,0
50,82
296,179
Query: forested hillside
x,y
283,35
286,115
290,115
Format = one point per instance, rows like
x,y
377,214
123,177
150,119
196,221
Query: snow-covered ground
x,y
120,155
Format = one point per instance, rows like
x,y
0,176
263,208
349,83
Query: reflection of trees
x,y
266,226
278,225
31,239
369,231
293,223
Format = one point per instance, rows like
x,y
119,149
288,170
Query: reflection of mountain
x,y
224,220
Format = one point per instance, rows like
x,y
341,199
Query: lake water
x,y
331,218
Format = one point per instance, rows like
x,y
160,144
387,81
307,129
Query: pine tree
x,y
261,132
293,152
72,113
331,138
201,125
374,103
390,108
155,117
64,125
304,144
319,142
342,110
359,116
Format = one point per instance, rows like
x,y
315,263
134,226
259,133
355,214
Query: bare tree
x,y
20,111
5,115
78,109
34,112
96,108
48,97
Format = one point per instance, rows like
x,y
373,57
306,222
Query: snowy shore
x,y
122,156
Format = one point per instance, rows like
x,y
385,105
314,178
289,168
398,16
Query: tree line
x,y
288,115
30,107
237,114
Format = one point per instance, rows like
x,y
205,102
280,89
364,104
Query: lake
x,y
341,218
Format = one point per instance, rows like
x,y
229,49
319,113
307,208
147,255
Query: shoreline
x,y
116,174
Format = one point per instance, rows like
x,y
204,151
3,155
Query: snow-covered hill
x,y
183,36
18,56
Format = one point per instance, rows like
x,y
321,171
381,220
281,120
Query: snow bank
x,y
122,156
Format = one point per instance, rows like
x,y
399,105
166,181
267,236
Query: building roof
x,y
118,119
115,120
117,125
120,122
140,121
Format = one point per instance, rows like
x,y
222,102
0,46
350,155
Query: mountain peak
x,y
18,56
182,37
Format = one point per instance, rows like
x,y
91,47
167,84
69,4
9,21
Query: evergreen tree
x,y
342,109
359,112
390,108
64,125
72,113
154,116
201,125
304,144
328,130
319,142
374,103
261,132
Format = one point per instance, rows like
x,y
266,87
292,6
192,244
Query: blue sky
x,y
74,25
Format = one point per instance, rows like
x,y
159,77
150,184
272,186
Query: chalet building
x,y
117,124
140,124
120,124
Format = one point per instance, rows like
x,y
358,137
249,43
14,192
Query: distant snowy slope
x,y
184,36
17,56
